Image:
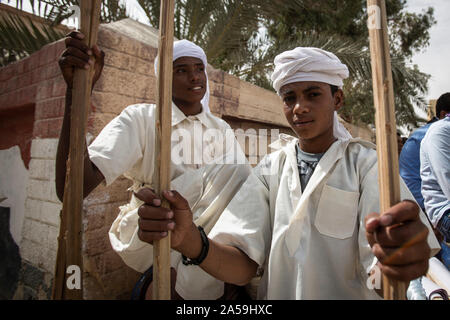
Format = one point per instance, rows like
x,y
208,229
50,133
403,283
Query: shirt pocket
x,y
337,212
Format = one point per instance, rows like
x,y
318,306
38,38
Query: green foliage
x,y
20,37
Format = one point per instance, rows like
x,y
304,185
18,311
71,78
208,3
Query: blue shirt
x,y
409,163
435,170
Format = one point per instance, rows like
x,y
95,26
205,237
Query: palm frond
x,y
20,36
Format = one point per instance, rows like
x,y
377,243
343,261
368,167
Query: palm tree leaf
x,y
21,36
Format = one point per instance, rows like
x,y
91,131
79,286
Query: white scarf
x,y
186,48
311,64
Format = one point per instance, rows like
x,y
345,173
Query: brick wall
x,y
34,84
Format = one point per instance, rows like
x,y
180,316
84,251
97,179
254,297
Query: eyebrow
x,y
186,64
305,91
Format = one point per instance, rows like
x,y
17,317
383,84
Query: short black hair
x,y
334,89
443,104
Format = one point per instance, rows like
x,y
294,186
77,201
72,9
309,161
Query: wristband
x,y
205,247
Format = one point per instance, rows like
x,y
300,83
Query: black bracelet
x,y
205,247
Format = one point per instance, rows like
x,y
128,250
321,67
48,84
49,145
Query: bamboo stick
x,y
161,252
70,237
386,129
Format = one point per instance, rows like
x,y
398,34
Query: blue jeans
x,y
444,228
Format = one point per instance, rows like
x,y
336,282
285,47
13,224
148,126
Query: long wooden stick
x,y
386,129
161,252
70,241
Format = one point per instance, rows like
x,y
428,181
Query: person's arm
x,y
409,167
439,156
223,262
76,55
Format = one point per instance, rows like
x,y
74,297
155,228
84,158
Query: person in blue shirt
x,y
409,161
435,174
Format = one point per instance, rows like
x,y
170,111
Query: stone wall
x,y
35,84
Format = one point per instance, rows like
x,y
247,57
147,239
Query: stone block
x,y
42,54
50,108
43,211
52,70
42,190
115,283
50,213
112,261
112,40
12,84
8,72
8,100
123,82
96,242
231,80
92,289
110,102
33,208
25,95
59,87
44,148
215,104
30,251
47,260
60,46
116,192
38,74
49,53
42,169
217,89
122,60
95,219
35,231
230,93
97,121
52,240
28,64
47,128
110,210
148,53
215,75
24,79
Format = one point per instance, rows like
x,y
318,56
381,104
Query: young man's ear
x,y
338,99
442,114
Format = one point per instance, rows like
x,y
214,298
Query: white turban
x,y
186,48
311,64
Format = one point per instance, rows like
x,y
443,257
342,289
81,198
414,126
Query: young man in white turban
x,y
307,214
126,146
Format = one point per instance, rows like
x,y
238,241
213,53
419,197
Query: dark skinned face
x,y
309,108
189,84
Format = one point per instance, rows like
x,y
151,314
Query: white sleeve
x,y
120,144
246,223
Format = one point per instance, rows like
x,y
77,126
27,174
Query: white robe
x,y
126,146
311,245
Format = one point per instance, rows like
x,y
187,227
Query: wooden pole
x,y
161,252
70,237
386,129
